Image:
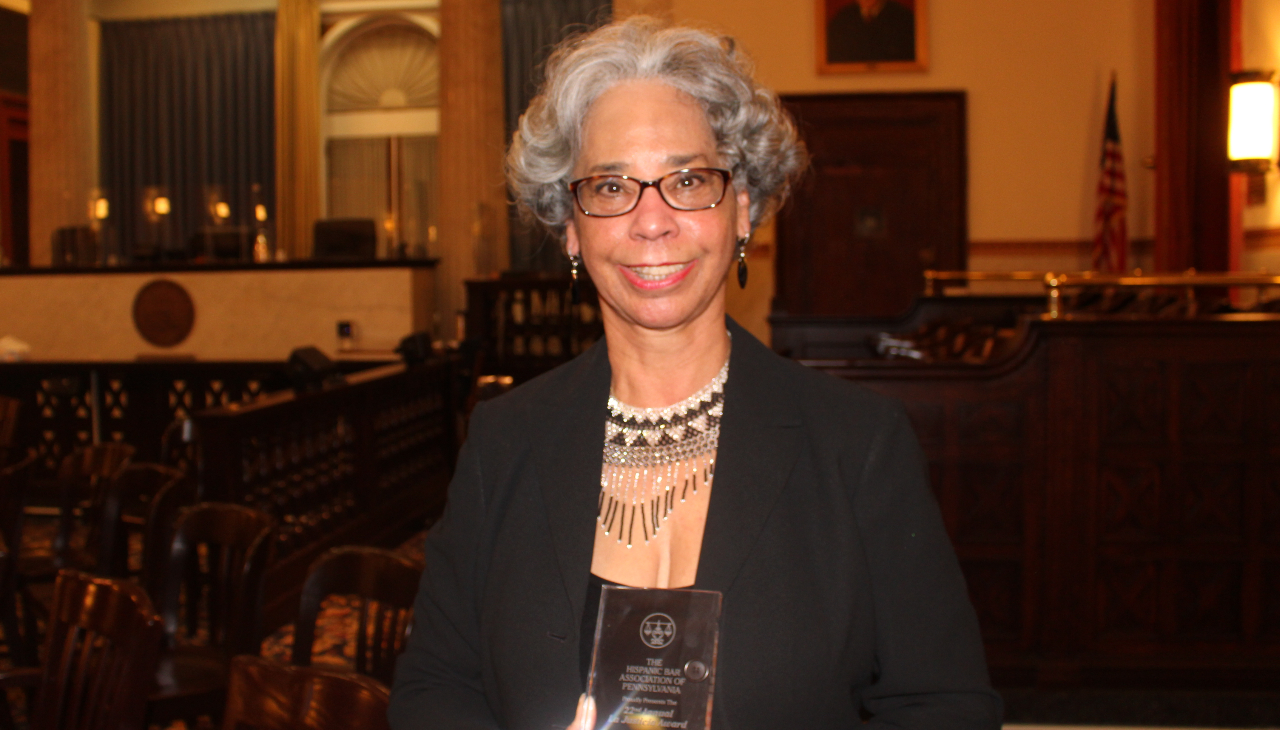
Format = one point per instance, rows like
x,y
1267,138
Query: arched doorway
x,y
380,96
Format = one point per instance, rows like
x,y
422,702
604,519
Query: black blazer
x,y
841,591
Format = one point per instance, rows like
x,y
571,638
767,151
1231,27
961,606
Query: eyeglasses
x,y
694,188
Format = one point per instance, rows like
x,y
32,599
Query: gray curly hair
x,y
755,137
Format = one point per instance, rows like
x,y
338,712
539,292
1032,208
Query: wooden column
x,y
1193,200
62,159
473,208
297,125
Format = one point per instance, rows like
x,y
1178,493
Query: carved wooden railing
x,y
66,405
363,462
523,326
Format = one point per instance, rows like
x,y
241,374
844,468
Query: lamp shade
x,y
1252,131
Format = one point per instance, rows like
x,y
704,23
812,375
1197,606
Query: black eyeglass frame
x,y
725,175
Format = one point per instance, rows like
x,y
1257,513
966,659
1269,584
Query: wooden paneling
x,y
1111,491
884,201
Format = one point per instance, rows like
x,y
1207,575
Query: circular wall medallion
x,y
163,313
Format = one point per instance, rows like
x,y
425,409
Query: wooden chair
x,y
20,632
100,657
81,475
211,606
385,584
125,511
157,539
266,695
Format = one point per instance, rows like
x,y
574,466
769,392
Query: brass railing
x,y
1055,283
934,281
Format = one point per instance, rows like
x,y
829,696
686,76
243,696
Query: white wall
x,y
239,315
1036,75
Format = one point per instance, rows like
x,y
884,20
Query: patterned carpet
x,y
1025,709
334,646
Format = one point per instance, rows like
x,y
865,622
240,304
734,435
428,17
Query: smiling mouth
x,y
656,273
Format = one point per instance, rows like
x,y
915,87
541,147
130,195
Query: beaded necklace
x,y
654,457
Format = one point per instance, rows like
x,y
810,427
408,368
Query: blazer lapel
x,y
760,439
569,447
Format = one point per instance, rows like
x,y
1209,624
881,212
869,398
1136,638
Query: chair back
x,y
157,538
385,585
15,481
100,656
126,504
266,695
79,475
216,562
95,461
15,485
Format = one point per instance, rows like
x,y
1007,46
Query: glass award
x,y
654,662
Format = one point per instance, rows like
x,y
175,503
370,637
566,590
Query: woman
x,y
802,498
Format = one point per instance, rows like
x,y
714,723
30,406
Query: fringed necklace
x,y
655,458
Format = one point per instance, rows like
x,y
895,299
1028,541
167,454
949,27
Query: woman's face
x,y
655,267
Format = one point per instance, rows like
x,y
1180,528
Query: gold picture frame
x,y
862,36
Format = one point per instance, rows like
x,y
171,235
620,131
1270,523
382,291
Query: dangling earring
x,y
574,297
742,262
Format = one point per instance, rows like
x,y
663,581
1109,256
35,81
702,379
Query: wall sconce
x,y
155,204
216,208
1251,135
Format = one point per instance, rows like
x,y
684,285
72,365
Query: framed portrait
x,y
858,36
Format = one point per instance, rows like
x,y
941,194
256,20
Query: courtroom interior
x,y
259,263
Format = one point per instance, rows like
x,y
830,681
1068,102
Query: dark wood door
x,y
885,199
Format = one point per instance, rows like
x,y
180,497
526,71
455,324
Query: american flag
x,y
1111,233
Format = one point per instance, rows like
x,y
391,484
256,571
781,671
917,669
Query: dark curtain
x,y
186,103
13,52
530,29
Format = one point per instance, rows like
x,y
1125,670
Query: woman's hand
x,y
586,717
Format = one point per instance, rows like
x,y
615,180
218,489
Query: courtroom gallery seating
x,y
124,511
211,605
267,695
100,654
20,636
384,584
